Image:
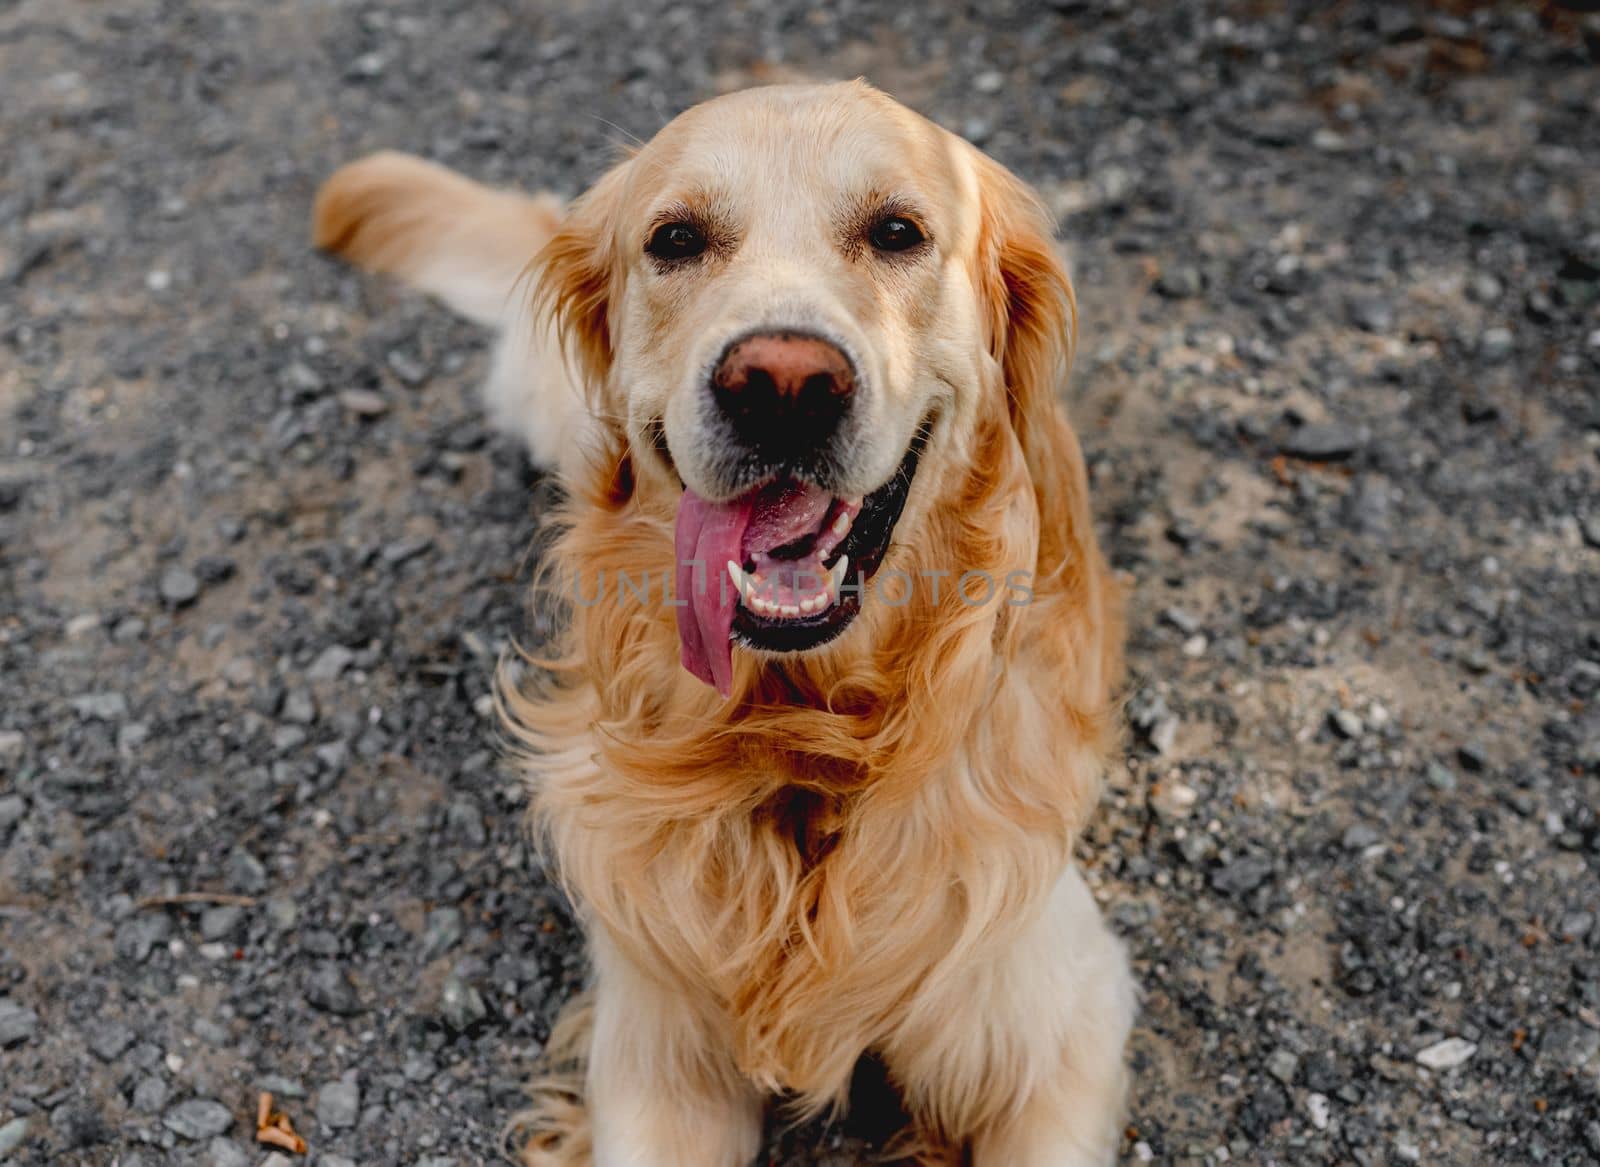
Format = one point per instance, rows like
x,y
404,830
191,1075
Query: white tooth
x,y
791,610
741,582
836,576
757,604
842,523
808,605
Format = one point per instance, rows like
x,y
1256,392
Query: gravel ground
x,y
1340,383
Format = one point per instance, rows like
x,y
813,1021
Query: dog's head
x,y
800,307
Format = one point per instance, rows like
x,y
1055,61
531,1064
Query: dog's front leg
x,y
1022,1055
663,1089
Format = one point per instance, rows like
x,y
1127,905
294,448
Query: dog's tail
x,y
463,242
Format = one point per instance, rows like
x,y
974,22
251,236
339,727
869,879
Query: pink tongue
x,y
709,534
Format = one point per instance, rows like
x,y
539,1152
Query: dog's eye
x,y
676,241
895,233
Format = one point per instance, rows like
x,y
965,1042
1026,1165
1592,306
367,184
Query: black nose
x,y
783,391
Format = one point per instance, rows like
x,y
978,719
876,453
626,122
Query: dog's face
x,y
787,298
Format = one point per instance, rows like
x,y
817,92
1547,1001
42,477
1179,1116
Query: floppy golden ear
x,y
576,271
1032,322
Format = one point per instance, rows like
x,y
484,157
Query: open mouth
x,y
780,567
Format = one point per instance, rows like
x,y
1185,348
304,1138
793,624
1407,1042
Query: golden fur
x,y
868,847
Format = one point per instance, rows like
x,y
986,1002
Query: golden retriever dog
x,y
815,788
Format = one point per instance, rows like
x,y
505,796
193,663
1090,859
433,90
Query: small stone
x,y
461,1005
1484,288
1183,620
330,663
1576,925
239,671
1181,283
1358,837
11,744
1441,778
109,1039
326,1160
1371,314
245,872
227,1153
12,1135
303,381
1318,1107
1282,1064
989,81
1323,442
1590,526
198,1118
419,1067
1473,757
12,808
329,989
220,921
442,932
299,707
1346,724
101,706
1570,1044
283,913
179,586
1447,1054
404,550
150,1095
17,1023
1164,734
1243,875
1496,345
410,370
339,1104
364,402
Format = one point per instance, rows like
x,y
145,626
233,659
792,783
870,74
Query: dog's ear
x,y
576,274
1031,318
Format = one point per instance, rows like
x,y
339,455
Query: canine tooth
x,y
842,523
741,581
836,576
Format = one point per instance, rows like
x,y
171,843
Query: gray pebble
x,y
1323,442
17,1023
219,921
198,1118
1283,1064
1181,283
12,808
330,663
150,1095
179,586
245,872
227,1153
329,989
364,402
108,1040
442,932
1243,875
101,706
338,1104
1346,724
461,1005
12,1135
